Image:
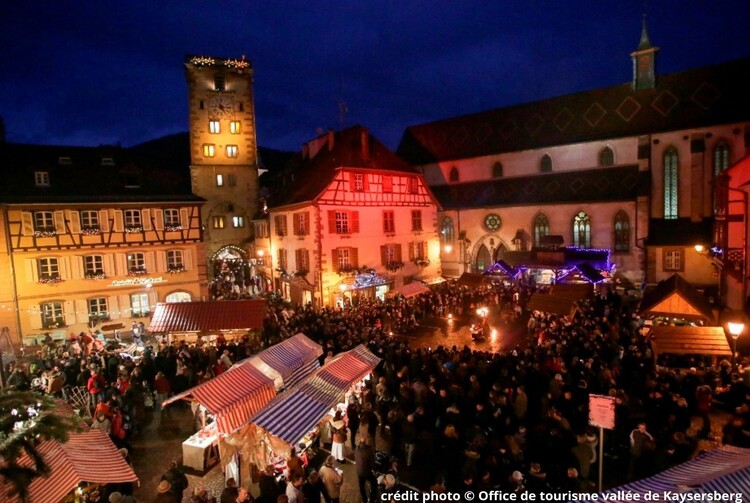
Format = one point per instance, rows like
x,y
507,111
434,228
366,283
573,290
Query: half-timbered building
x,y
93,237
351,220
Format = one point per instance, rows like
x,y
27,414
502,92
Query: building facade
x,y
630,169
351,221
223,156
78,255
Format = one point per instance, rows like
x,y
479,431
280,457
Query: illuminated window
x,y
52,314
136,262
232,150
671,188
342,222
89,219
389,222
582,230
217,221
219,83
41,178
390,254
673,260
606,157
721,157
44,221
209,150
622,232
132,218
219,180
93,265
446,232
234,127
172,217
418,250
343,259
49,268
416,220
139,307
545,165
541,229
214,127
238,221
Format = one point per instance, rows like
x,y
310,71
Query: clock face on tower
x,y
221,106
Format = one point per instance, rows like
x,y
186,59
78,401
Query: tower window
x,y
541,229
497,170
582,230
209,150
231,150
606,157
219,83
218,222
545,165
453,175
234,127
622,232
721,158
214,127
219,180
670,183
238,221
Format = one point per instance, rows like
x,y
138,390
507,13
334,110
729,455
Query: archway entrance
x,y
483,260
234,276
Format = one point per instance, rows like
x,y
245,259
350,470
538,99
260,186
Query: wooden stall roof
x,y
551,303
208,317
470,279
676,298
688,340
574,291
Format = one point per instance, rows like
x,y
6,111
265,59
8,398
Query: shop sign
x,y
602,411
137,281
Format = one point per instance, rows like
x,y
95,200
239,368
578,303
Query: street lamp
x,y
448,248
735,330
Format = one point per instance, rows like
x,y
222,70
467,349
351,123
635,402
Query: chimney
x,y
330,139
365,135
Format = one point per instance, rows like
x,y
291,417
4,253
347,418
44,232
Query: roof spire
x,y
645,42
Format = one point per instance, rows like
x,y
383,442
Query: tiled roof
x,y
679,232
624,183
705,96
181,317
310,176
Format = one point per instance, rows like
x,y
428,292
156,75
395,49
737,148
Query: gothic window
x,y
453,176
671,162
622,232
606,157
546,164
541,229
582,230
446,232
497,170
721,157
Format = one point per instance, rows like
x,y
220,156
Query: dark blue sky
x,y
86,73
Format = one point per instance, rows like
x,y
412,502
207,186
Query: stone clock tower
x,y
223,153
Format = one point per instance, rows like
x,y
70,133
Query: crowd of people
x,y
515,421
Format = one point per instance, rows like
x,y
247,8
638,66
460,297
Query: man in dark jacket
x,y
364,458
269,488
177,480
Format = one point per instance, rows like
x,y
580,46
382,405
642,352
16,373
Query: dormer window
x,y
64,161
41,178
108,161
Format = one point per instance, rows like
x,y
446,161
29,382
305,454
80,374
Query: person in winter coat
x,y
332,480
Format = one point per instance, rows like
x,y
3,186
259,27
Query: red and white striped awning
x,y
89,456
233,397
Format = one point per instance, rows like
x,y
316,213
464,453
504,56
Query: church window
x,y
546,164
541,229
671,163
622,232
582,230
606,157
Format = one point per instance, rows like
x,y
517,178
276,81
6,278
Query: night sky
x,y
88,73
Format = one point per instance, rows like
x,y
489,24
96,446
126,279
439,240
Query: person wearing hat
x,y
176,480
164,493
332,479
115,497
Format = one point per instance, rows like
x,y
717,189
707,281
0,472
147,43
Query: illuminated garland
x,y
91,230
202,61
94,275
50,280
238,64
133,229
172,228
175,268
45,233
137,272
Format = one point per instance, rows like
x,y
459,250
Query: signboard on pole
x,y
602,411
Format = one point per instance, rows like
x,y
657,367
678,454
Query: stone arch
x,y
493,246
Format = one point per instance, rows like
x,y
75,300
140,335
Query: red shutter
x,y
351,182
353,257
335,259
383,255
425,250
295,223
331,222
398,253
354,215
411,251
307,223
365,183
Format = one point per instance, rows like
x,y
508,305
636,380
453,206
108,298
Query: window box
x,y
141,314
45,232
175,268
172,228
98,318
49,325
133,229
91,230
137,271
422,262
50,280
301,273
95,275
394,266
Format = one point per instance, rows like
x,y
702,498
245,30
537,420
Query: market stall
x,y
411,290
289,361
88,459
192,320
292,418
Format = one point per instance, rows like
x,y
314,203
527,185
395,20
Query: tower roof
x,y
645,42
